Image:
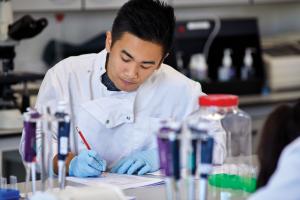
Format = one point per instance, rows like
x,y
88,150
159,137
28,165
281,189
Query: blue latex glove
x,y
87,164
138,163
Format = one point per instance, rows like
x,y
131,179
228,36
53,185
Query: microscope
x,y
11,33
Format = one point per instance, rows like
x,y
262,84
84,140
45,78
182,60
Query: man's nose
x,y
132,71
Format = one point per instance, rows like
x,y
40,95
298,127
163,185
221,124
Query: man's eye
x,y
145,67
125,59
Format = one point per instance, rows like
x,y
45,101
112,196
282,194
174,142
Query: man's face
x,y
131,60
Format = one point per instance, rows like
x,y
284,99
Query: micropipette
x,y
174,157
30,120
197,132
63,141
206,158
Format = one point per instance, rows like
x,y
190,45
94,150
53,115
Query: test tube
x,y
3,183
13,182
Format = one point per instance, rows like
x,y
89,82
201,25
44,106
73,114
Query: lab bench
x,y
157,192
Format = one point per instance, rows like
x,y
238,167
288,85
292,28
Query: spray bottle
x,y
226,72
247,71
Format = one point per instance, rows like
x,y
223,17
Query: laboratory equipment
x,y
169,140
63,120
191,37
237,172
226,72
26,27
205,168
200,152
31,118
6,18
8,193
46,148
13,182
3,183
281,55
196,133
247,71
198,67
11,33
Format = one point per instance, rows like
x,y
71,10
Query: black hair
x,y
281,128
149,20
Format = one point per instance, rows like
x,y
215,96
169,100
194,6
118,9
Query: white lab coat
x,y
116,124
285,182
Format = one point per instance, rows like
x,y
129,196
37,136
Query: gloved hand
x,y
88,163
138,163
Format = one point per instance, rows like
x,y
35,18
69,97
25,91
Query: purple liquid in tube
x,y
30,136
164,151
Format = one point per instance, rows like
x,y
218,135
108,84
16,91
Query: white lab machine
x,y
282,62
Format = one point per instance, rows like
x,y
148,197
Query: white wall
x,y
79,26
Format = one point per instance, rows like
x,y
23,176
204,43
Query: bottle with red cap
x,y
231,129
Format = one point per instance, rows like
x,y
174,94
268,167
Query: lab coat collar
x,y
99,64
111,108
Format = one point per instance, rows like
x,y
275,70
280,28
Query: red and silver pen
x,y
83,139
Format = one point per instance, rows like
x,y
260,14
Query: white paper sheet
x,y
120,180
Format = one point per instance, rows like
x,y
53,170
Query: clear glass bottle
x,y
231,130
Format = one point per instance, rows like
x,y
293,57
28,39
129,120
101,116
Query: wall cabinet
x,y
46,5
273,1
206,2
102,4
59,5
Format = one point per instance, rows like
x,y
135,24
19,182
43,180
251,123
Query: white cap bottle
x,y
247,71
226,72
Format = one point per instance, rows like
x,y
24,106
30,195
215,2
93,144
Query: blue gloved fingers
x,y
97,158
87,172
123,169
144,170
138,164
92,171
82,169
92,162
118,165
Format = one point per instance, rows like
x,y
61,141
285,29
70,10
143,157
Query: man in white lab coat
x,y
118,97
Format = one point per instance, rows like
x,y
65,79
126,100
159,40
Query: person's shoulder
x,y
74,63
175,79
292,147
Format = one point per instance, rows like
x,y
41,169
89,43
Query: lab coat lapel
x,y
110,111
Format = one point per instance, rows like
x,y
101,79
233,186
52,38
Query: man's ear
x,y
166,56
108,41
162,60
